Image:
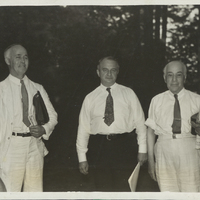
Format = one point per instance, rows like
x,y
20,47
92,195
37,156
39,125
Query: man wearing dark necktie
x,y
108,116
173,160
22,150
176,126
109,111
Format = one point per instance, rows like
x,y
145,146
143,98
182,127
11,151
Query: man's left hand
x,y
142,158
37,131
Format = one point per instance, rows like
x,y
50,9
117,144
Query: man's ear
x,y
185,76
164,78
7,60
98,72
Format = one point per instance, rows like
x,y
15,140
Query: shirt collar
x,y
16,80
112,87
180,94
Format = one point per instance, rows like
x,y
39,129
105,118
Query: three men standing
x,y
108,116
21,148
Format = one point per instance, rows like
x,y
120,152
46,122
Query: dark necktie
x,y
25,104
176,126
109,112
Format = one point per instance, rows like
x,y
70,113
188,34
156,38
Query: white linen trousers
x,y
22,168
177,164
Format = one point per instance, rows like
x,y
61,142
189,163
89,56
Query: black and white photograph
x,y
99,100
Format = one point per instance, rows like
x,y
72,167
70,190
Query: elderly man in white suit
x,y
21,148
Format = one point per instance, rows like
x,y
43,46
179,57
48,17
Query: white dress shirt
x,y
160,117
18,125
128,115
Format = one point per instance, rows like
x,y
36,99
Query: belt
x,y
22,134
113,136
175,136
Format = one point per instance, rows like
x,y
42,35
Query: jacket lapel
x,y
8,99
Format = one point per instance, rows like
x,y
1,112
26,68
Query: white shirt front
x,y
160,117
18,125
128,115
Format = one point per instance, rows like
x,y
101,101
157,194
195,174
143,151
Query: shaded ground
x,y
62,179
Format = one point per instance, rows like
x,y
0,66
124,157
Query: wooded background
x,y
64,44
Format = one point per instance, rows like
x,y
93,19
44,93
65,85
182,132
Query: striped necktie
x,y
109,111
176,126
25,104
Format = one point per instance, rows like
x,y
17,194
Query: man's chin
x,y
110,81
24,70
175,91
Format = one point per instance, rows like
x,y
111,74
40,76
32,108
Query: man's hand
x,y
196,126
142,158
151,169
83,167
37,131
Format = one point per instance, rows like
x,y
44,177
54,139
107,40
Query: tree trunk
x,y
157,25
164,24
148,27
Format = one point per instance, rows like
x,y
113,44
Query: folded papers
x,y
134,178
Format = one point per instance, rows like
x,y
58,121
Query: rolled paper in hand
x,y
134,178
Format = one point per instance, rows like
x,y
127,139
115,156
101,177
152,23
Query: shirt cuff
x,y
45,136
142,148
150,123
82,157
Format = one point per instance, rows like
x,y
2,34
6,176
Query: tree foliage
x,y
183,39
65,44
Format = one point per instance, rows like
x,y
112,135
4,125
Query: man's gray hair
x,y
107,58
173,62
8,50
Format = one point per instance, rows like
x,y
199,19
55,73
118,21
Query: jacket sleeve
x,y
49,127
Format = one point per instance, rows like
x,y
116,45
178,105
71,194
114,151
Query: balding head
x,y
17,60
105,59
8,51
108,70
175,76
176,63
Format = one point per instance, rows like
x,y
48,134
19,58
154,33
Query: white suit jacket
x,y
6,113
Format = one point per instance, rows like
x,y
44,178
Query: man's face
x,y
108,71
18,61
175,77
